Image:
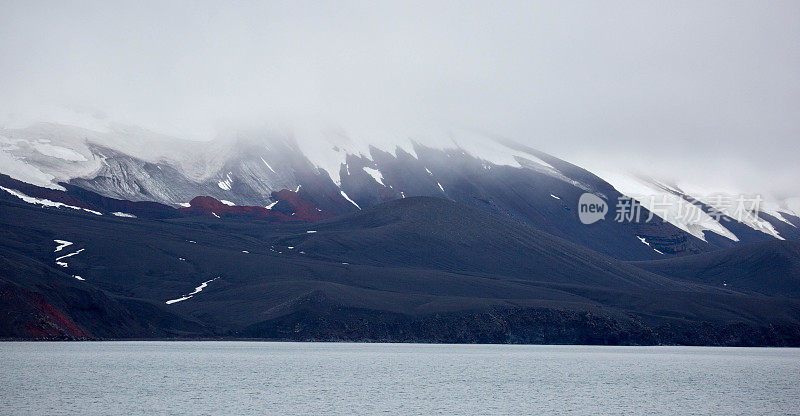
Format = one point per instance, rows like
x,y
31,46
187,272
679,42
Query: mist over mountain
x,y
652,89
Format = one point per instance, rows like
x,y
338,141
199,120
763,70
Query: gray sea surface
x,y
123,378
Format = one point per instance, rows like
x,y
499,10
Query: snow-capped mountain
x,y
337,173
108,236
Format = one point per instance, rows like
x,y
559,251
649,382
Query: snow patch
x,y
271,205
44,202
215,214
775,212
64,264
170,302
184,204
70,254
62,244
268,166
375,173
728,205
440,186
228,203
123,214
327,148
663,202
37,201
78,277
348,198
197,290
648,244
311,231
202,286
226,184
555,197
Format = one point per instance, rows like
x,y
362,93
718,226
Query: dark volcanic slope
x,y
769,267
40,301
434,233
421,269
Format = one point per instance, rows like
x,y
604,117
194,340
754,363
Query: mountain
x,y
336,175
414,269
124,233
769,267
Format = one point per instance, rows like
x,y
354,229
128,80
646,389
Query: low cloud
x,y
704,90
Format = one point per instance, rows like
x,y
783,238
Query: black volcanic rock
x,y
419,269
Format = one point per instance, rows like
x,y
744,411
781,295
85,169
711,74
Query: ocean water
x,y
349,378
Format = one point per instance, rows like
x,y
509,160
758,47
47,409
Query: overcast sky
x,y
710,90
